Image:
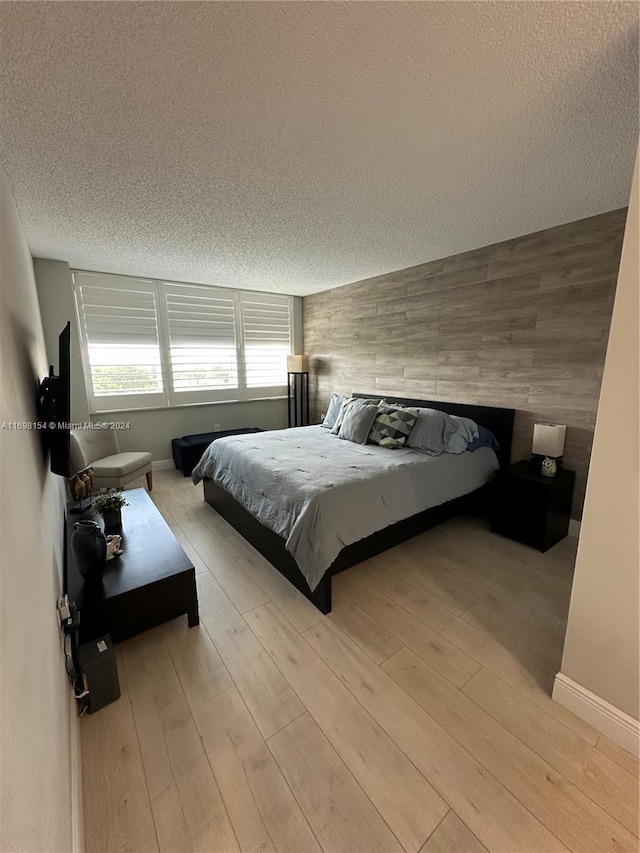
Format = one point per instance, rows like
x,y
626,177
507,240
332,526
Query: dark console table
x,y
151,582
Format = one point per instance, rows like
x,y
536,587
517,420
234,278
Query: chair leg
x,y
149,476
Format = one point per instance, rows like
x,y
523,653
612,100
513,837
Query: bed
x,y
314,505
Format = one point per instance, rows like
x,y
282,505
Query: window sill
x,y
98,412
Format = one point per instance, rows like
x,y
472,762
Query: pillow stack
x,y
393,426
348,403
465,432
433,432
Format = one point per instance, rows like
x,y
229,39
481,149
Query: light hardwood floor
x,y
416,717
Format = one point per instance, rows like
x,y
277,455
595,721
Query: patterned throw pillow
x,y
392,427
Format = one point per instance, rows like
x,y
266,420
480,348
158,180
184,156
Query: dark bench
x,y
187,451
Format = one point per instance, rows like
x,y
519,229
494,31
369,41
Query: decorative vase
x,y
89,547
112,521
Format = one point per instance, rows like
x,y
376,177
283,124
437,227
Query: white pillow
x,y
332,411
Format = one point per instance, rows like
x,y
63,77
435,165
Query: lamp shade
x,y
297,363
548,439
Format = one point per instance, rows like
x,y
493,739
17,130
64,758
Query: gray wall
x,y
38,724
153,429
149,429
522,324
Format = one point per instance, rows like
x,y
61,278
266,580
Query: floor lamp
x,y
298,389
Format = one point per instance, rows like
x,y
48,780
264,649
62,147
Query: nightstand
x,y
531,508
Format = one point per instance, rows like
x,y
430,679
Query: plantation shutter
x,y
152,344
266,327
119,329
203,359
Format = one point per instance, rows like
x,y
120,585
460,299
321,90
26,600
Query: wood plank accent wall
x,y
522,323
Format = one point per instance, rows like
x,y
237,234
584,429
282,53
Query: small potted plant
x,y
109,506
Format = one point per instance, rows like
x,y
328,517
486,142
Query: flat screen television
x,y
54,408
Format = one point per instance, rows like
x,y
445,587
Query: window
x,y
147,344
203,356
121,351
265,323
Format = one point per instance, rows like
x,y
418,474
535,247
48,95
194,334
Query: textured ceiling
x,y
294,146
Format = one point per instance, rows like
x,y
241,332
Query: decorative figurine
x,y
549,467
80,488
113,546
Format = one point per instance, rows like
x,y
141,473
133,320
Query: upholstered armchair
x,y
99,449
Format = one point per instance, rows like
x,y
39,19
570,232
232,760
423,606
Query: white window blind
x,y
150,343
202,342
266,327
121,344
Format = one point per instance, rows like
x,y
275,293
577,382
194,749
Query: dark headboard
x,y
499,421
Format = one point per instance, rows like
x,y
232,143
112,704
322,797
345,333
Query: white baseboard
x,y
574,528
163,465
606,718
77,812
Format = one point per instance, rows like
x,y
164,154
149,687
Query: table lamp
x,y
548,442
298,389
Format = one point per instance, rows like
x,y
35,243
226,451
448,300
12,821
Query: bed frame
x,y
272,546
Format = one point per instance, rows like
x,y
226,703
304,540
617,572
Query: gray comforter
x,y
321,493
